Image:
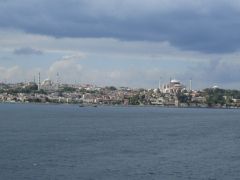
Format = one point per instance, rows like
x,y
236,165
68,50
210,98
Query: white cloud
x,y
10,73
74,57
123,77
68,68
111,53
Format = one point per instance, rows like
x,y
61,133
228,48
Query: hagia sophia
x,y
173,87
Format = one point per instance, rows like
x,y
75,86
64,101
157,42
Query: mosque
x,y
173,87
48,85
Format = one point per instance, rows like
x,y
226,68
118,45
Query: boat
x,y
87,105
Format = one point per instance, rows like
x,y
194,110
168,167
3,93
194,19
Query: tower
x,y
39,81
58,80
190,84
170,85
159,84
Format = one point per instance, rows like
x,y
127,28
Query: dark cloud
x,y
211,28
27,51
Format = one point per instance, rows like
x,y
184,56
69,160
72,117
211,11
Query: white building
x,y
48,85
173,87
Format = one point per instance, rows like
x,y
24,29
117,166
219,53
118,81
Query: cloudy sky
x,y
123,43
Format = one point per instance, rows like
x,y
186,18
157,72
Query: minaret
x,y
159,84
39,81
170,81
58,81
190,84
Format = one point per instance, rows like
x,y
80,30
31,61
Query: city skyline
x,y
127,43
57,81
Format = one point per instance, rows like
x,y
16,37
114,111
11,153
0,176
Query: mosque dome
x,y
174,81
47,82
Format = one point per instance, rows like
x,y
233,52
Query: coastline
x,y
124,106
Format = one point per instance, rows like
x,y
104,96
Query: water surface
x,y
65,142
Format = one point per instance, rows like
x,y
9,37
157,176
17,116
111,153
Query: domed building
x,y
47,82
48,85
173,87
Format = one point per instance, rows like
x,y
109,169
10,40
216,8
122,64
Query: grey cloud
x,y
215,72
27,51
210,27
223,72
5,58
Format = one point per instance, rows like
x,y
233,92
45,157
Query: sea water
x,y
64,142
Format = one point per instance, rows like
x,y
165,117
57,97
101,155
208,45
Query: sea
x,y
68,142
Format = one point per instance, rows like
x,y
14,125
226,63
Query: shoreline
x,y
111,105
